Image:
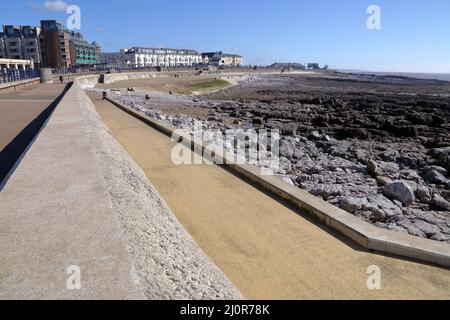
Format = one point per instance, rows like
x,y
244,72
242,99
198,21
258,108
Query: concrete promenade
x,y
79,208
22,114
268,249
55,212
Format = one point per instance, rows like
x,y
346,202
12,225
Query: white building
x,y
17,64
151,57
222,59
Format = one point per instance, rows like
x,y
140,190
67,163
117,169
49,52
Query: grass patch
x,y
208,85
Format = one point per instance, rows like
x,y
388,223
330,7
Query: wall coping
x,y
17,83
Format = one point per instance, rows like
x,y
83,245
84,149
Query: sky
x,y
414,34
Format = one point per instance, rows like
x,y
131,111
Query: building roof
x,y
220,54
134,49
287,65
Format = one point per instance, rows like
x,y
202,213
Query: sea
x,y
434,76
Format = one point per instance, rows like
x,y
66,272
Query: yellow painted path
x,y
266,248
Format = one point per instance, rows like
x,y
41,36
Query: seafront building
x,y
50,45
83,53
313,66
288,66
18,64
219,59
140,57
62,48
21,43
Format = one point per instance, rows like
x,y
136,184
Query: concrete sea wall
x,y
79,203
18,85
88,81
114,77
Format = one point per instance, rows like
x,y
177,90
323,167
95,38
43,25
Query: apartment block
x,y
152,57
20,43
219,59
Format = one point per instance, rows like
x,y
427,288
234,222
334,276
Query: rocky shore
x,y
377,147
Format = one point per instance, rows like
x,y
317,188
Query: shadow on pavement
x,y
13,153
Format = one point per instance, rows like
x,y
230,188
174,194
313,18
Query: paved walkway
x,y
267,249
22,114
57,222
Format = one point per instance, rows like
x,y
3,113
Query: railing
x,y
13,75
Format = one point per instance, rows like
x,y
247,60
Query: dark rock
x,y
315,135
382,181
401,191
423,194
390,155
441,170
409,175
441,203
435,177
286,149
258,121
428,229
446,195
352,205
440,237
410,227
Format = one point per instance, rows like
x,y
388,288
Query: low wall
x,y
18,85
365,234
114,77
89,81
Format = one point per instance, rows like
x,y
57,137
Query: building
x,y
98,50
63,49
81,52
313,66
138,57
288,66
55,45
49,45
118,60
17,64
20,43
219,59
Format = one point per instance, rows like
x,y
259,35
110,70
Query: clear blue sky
x,y
415,34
